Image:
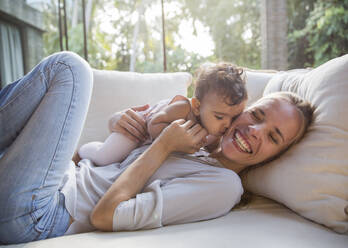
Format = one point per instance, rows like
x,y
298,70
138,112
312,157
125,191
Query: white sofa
x,y
260,223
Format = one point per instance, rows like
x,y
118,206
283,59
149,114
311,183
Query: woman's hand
x,y
180,135
183,136
130,123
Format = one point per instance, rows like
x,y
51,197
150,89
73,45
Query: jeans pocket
x,y
44,211
50,216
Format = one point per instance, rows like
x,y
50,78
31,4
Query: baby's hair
x,y
223,78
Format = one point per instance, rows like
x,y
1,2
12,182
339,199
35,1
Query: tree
x,y
298,12
234,26
322,34
140,11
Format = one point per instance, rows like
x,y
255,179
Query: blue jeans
x,y
41,119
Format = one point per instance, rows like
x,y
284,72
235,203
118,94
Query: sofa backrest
x,y
114,91
256,82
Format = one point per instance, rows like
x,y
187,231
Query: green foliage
x,y
99,46
227,20
298,12
323,35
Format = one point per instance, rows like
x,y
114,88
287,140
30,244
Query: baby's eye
x,y
218,117
235,117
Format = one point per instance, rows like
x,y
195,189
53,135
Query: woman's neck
x,y
228,164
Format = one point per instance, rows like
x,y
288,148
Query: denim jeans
x,y
41,119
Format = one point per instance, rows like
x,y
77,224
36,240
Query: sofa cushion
x,y
256,82
261,224
312,177
114,91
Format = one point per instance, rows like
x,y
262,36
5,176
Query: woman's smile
x,y
241,142
237,140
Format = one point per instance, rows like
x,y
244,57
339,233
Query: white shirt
x,y
184,189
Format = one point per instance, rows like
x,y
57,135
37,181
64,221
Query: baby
x,y
220,96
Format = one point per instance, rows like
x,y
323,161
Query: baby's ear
x,y
195,106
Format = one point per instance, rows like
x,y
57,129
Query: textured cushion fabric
x,y
261,224
312,177
114,91
256,81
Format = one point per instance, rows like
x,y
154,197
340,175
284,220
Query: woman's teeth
x,y
242,143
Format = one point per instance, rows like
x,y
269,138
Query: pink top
x,y
150,112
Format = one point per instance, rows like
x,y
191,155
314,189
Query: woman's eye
x,y
274,140
218,117
255,116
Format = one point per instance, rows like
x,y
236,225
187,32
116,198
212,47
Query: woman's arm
x,y
191,192
137,174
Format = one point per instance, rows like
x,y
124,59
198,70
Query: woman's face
x,y
261,131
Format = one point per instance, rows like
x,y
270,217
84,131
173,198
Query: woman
x,y
44,195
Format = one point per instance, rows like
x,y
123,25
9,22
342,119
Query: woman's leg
x,y
41,118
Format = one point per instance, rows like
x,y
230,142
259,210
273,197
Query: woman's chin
x,y
227,148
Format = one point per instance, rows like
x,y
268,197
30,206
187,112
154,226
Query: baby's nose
x,y
227,123
224,127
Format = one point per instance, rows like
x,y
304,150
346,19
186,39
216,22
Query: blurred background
x,y
127,35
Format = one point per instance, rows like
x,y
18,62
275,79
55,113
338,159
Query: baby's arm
x,y
172,112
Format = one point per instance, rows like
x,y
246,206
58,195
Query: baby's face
x,y
216,115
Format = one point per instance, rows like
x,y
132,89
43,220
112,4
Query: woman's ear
x,y
195,106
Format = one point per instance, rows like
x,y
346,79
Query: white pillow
x,y
256,81
114,91
312,177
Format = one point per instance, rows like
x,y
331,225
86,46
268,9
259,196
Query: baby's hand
x,y
130,123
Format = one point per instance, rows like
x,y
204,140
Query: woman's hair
x,y
304,108
223,78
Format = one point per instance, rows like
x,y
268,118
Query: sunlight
x,y
247,35
106,17
201,43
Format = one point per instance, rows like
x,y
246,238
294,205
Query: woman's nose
x,y
256,130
